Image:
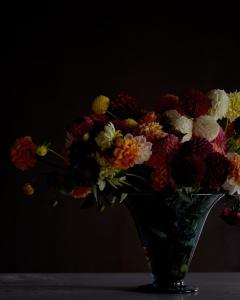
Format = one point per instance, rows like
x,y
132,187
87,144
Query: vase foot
x,y
156,289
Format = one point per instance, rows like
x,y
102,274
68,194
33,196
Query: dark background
x,y
55,60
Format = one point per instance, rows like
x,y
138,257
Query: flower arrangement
x,y
189,143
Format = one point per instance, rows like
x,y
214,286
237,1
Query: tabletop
x,y
71,286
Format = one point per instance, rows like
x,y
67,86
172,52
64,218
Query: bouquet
x,y
188,143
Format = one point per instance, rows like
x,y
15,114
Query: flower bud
x,y
42,150
130,122
100,104
28,189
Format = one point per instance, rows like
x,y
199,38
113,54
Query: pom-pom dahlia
x,y
163,151
197,146
125,106
194,103
219,103
188,171
167,102
23,153
100,104
217,170
181,124
206,127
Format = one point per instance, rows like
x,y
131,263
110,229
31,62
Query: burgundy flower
x,y
194,103
167,102
196,146
81,126
188,171
217,170
125,106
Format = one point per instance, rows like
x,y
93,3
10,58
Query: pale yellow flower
x,y
234,106
105,138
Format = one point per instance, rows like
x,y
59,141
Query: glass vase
x,y
169,226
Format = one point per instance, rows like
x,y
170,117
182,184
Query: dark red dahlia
x,y
194,103
196,146
81,126
124,106
188,171
217,170
163,151
167,102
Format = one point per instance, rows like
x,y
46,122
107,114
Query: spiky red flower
x,y
194,103
100,118
23,153
188,171
160,178
196,146
217,170
163,151
125,106
167,102
81,126
81,192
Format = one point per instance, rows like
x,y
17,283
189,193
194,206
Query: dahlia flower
x,y
188,171
234,106
23,153
160,178
144,148
28,189
194,103
167,102
217,170
206,127
196,146
232,184
105,138
181,124
152,131
125,153
219,103
163,150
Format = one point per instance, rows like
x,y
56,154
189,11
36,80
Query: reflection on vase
x,y
169,226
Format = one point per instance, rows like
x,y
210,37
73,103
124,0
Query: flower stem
x,y
55,153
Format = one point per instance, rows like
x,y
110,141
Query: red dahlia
x,y
167,102
194,103
188,171
81,126
217,170
196,146
125,106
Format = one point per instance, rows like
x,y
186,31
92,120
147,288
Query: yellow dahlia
x,y
100,104
125,153
152,131
234,106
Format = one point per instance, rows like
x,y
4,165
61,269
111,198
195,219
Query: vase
x,y
169,226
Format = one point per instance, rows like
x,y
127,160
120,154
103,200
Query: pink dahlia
x,y
194,103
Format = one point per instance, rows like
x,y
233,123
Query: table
x,y
81,286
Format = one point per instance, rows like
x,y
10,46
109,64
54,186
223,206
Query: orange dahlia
x,y
23,153
125,153
152,131
234,172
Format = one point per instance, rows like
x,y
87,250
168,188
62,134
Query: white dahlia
x,y
206,127
219,103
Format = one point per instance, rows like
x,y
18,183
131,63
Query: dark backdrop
x,y
55,59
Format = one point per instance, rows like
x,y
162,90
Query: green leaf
x,y
184,268
159,233
123,197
